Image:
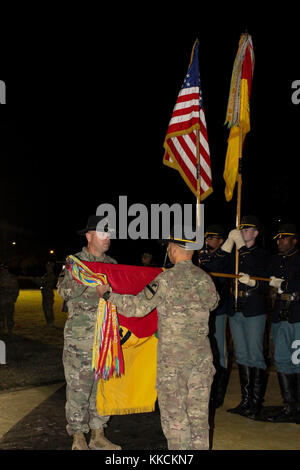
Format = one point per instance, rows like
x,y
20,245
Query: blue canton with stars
x,y
192,78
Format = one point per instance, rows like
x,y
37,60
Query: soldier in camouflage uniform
x,y
47,283
82,303
9,291
183,296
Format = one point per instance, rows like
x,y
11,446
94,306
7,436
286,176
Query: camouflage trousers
x,y
183,395
47,303
81,411
7,315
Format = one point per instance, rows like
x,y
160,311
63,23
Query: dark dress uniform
x,y
217,322
247,321
286,326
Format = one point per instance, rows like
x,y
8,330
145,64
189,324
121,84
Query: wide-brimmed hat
x,y
188,243
286,230
249,221
215,230
92,224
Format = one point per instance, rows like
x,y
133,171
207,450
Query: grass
x,y
34,350
30,321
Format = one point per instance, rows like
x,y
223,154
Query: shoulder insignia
x,y
151,289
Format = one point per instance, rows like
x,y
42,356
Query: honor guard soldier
x,y
284,270
183,296
214,238
247,316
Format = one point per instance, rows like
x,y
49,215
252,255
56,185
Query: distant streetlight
x,y
13,243
51,252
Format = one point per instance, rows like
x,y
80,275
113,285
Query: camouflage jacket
x,y
82,301
9,287
183,296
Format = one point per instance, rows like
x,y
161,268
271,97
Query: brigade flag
x,y
134,390
238,110
186,143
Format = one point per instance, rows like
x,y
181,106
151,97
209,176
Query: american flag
x,y
181,139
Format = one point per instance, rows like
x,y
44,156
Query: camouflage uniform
x,y
47,283
183,296
9,291
82,302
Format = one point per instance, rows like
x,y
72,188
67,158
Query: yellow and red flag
x,y
128,389
238,110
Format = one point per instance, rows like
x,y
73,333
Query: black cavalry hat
x,y
92,223
188,243
215,230
286,230
249,221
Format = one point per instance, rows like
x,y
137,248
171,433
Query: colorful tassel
x,y
107,360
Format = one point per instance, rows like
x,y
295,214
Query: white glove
x,y
276,282
245,279
237,237
227,245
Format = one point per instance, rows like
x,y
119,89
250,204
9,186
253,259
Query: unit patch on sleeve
x,y
151,289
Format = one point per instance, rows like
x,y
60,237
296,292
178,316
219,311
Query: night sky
x,y
88,109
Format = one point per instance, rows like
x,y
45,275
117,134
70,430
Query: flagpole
x,y
238,211
233,276
198,177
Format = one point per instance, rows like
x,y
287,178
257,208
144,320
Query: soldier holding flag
x,y
183,296
82,302
247,316
248,319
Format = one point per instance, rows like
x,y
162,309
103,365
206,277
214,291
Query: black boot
x,y
297,381
219,386
259,385
222,387
246,385
287,414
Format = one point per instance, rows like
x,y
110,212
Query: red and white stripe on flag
x,y
181,145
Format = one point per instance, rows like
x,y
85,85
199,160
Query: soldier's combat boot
x,y
99,442
245,373
288,413
79,442
259,385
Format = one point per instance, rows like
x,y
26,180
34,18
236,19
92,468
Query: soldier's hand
x,y
228,245
102,289
245,279
237,237
276,282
